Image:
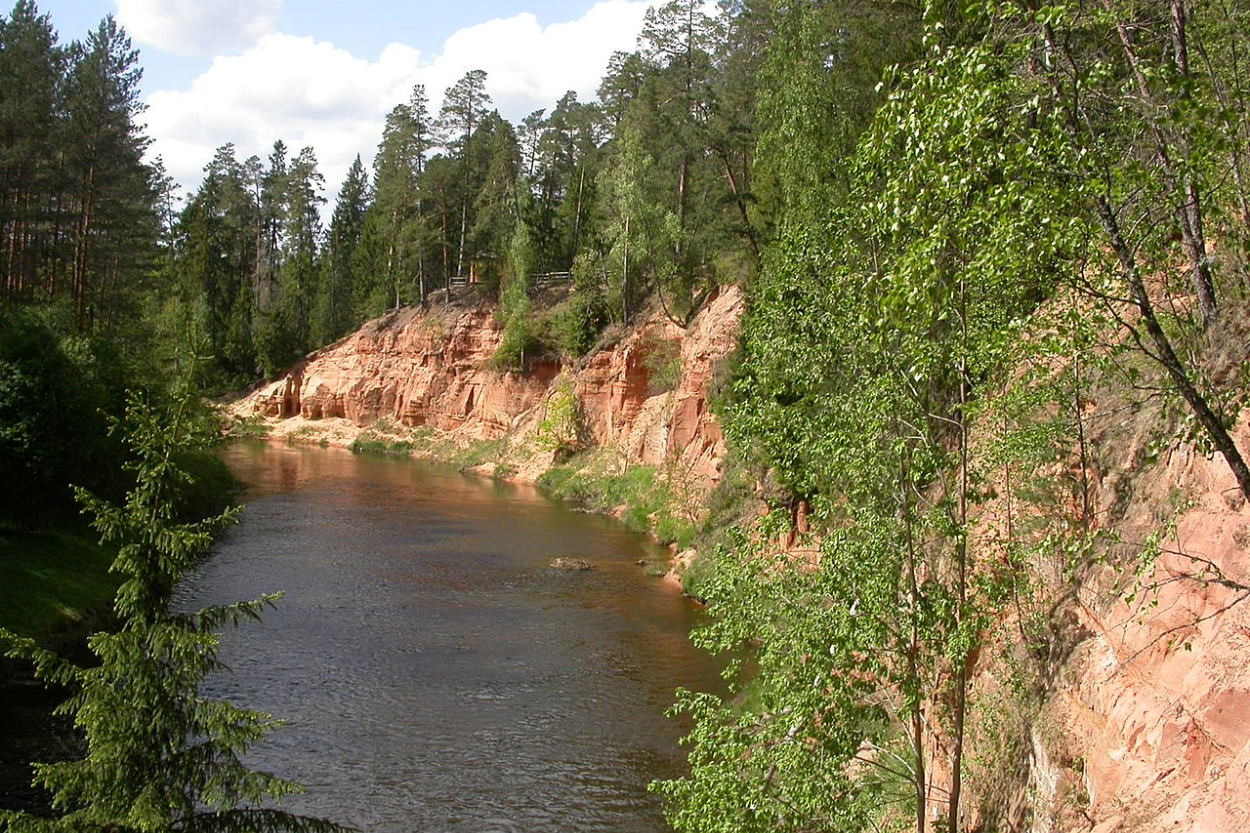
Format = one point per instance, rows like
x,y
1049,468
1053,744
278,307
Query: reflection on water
x,y
434,673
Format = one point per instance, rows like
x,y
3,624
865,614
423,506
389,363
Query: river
x,y
434,672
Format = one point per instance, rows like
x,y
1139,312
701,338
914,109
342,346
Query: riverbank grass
x,y
51,581
385,439
638,495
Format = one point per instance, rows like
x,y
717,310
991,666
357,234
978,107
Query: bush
x,y
56,394
662,359
561,429
573,325
368,443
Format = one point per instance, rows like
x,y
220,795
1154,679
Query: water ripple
x,y
434,674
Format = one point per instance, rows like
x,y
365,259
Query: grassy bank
x,y
638,495
53,582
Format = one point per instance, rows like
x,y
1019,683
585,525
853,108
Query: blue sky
x,y
324,74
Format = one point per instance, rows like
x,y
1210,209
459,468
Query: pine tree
x,y
464,107
110,188
219,256
495,209
32,65
397,216
284,329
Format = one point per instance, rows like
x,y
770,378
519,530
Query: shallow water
x,y
435,674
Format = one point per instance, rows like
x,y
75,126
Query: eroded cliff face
x,y
1144,724
1155,702
415,368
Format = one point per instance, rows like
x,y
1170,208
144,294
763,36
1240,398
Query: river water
x,y
434,672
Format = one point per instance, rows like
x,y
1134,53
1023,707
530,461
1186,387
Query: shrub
x,y
561,429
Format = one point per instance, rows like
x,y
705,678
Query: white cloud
x,y
291,88
198,28
529,66
308,92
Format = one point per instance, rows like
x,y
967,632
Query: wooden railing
x,y
552,277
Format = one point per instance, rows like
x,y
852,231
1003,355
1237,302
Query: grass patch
x,y
52,580
477,453
386,438
307,435
695,578
427,444
249,428
638,495
372,444
656,569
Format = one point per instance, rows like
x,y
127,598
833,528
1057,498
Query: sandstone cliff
x,y
433,369
1154,704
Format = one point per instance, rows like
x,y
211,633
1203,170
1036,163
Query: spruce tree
x,y
159,756
332,310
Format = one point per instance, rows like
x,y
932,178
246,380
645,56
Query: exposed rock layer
x,y
1156,701
434,369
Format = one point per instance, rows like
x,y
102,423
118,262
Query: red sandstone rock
x,y
1160,703
433,368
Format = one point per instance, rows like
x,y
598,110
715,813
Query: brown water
x,y
435,674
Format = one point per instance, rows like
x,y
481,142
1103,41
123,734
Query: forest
x,y
958,224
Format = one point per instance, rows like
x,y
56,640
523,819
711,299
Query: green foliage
x,y
252,427
78,204
780,751
332,310
638,495
819,88
368,444
562,429
476,453
518,338
56,393
209,488
878,328
571,327
160,756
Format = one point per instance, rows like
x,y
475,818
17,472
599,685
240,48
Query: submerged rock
x,y
570,564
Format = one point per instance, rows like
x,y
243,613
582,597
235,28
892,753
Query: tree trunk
x,y
1166,355
625,277
959,707
916,717
81,258
747,229
682,173
577,217
464,228
1189,213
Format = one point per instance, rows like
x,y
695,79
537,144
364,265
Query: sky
x,y
324,73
